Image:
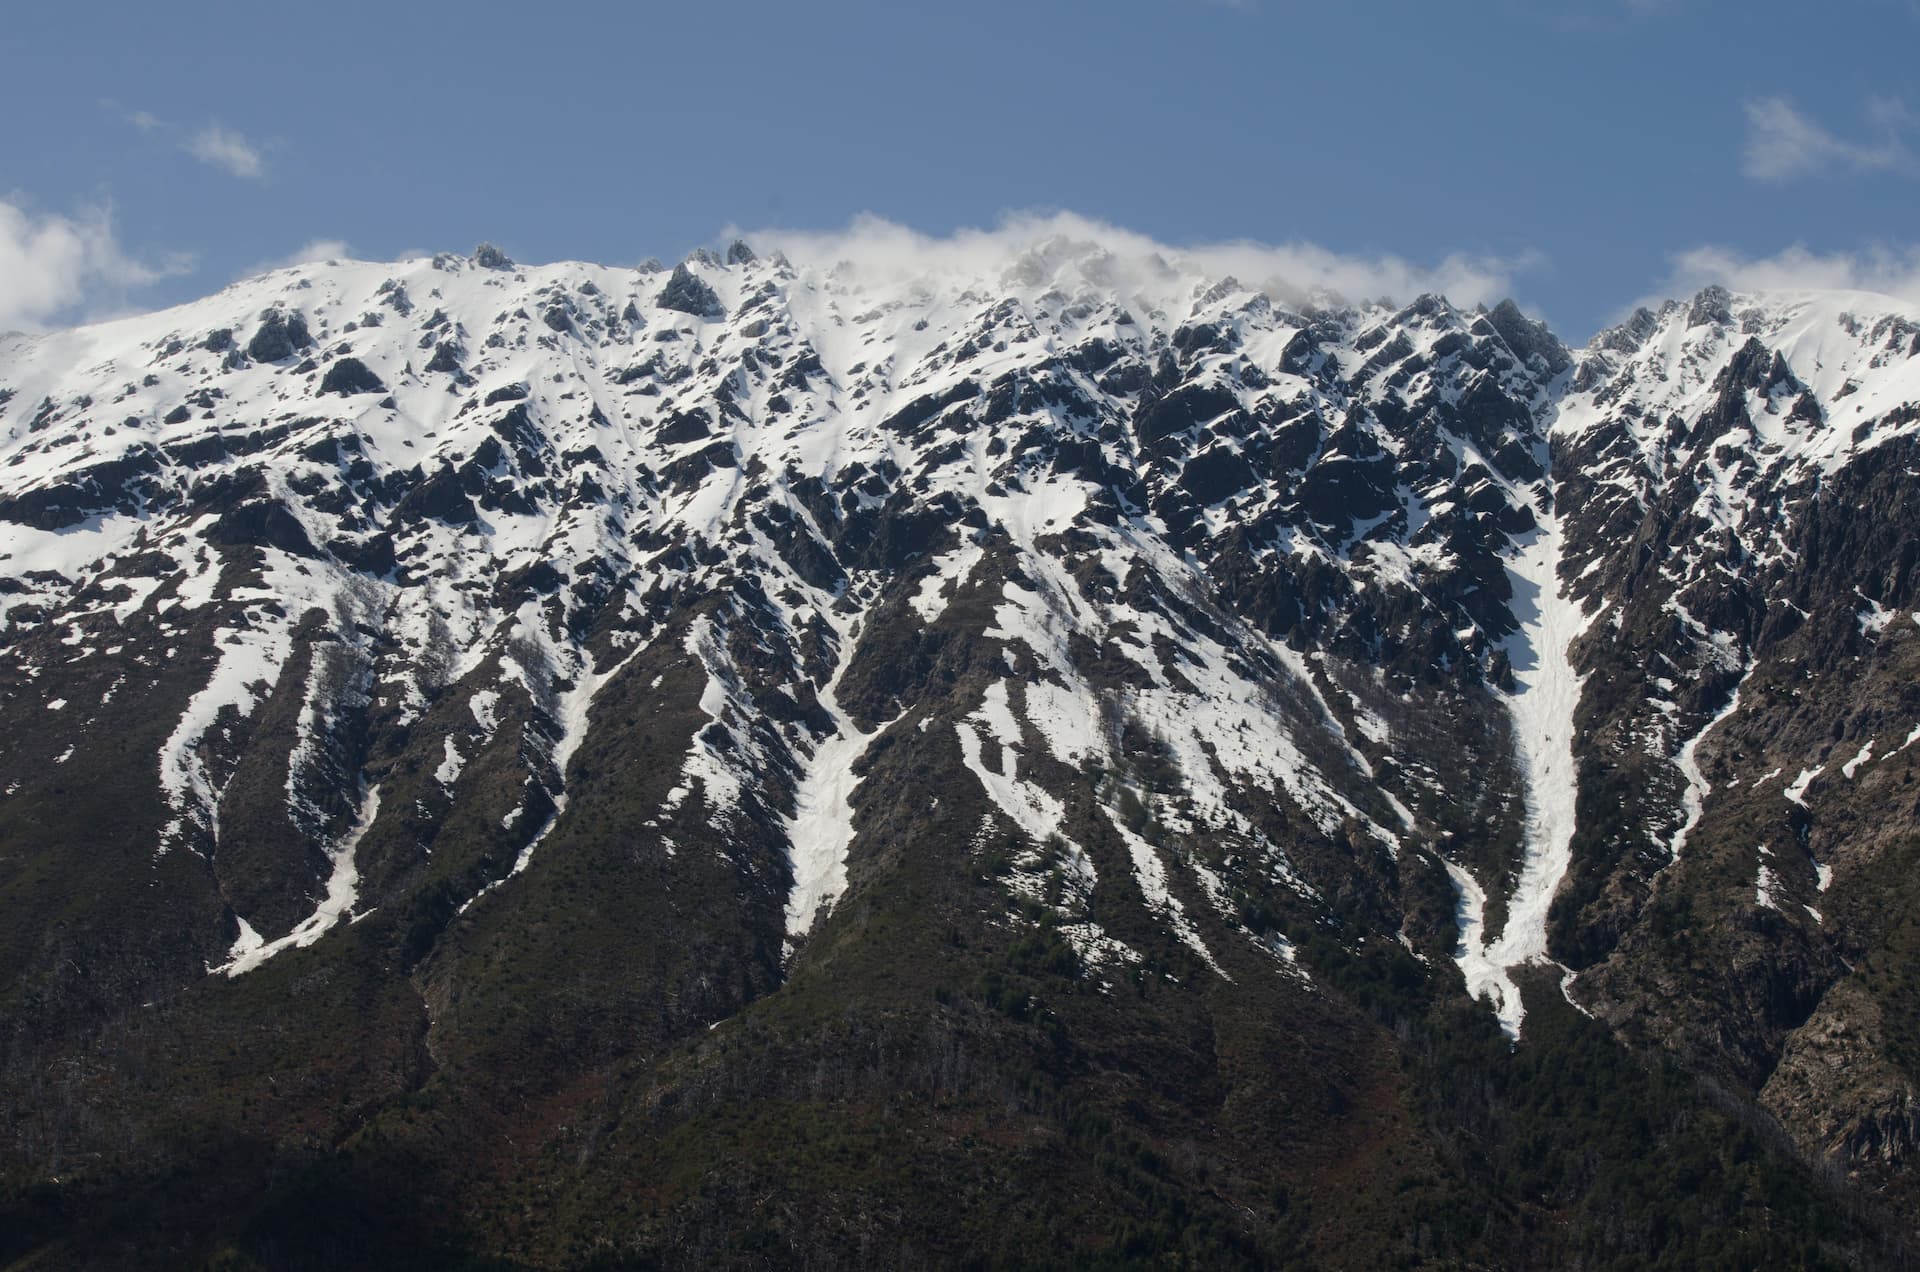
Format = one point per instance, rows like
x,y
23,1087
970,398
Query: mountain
x,y
1064,760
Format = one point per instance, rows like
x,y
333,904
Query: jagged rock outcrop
x,y
349,376
686,292
280,335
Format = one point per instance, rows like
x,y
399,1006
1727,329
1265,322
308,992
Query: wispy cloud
x,y
1071,250
59,267
1786,144
216,145
319,250
224,148
325,249
1892,271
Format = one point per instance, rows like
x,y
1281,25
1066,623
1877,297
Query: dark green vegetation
x,y
1005,1122
955,1091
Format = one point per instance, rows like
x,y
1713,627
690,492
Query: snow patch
x,y
1797,791
1763,882
343,891
1852,766
575,714
1033,810
1486,973
951,570
1151,874
243,674
820,831
485,705
449,771
1693,800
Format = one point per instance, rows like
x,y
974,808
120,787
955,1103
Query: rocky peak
x,y
1528,339
687,293
1711,305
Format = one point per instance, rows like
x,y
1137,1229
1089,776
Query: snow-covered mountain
x,y
569,659
460,499
1743,472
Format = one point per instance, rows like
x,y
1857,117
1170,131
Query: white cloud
x,y
224,148
323,249
1068,250
317,250
57,266
216,144
1784,144
1888,270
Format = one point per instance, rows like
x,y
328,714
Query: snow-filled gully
x,y
1693,800
821,829
250,950
1546,692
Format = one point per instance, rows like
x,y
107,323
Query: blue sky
x,y
1584,154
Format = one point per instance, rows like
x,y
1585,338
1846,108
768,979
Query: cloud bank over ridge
x,y
1890,271
1064,247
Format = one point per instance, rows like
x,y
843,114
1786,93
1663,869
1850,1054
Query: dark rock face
x,y
1186,408
262,523
687,293
82,493
1528,339
540,800
349,376
1213,475
446,358
688,426
280,335
487,256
